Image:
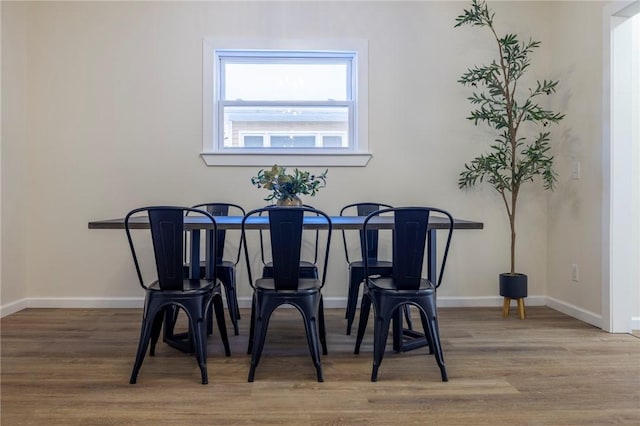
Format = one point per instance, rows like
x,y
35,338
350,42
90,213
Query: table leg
x,y
194,264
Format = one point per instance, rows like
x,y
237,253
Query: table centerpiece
x,y
287,188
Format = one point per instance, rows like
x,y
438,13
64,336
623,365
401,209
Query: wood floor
x,y
72,366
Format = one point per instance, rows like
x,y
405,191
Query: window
x,y
296,106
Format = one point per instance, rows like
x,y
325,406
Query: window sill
x,y
286,160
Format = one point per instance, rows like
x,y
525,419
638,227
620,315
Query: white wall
x,y
575,209
13,270
114,122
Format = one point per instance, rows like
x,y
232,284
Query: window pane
x,y
332,141
285,81
253,141
279,141
283,121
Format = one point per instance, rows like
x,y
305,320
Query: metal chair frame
x,y
171,288
405,286
287,286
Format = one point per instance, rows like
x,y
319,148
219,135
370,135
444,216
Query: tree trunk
x,y
513,246
512,223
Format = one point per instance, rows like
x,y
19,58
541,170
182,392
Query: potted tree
x,y
520,151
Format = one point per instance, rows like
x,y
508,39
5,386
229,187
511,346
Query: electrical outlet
x,y
575,273
575,169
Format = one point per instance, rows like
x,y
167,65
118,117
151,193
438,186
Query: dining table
x,y
403,339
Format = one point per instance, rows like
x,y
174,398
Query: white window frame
x,y
357,155
267,134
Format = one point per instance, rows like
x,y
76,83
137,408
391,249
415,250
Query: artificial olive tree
x,y
514,157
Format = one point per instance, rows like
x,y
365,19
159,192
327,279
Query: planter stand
x,y
507,304
513,287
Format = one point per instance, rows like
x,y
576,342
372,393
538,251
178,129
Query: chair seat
x,y
310,285
387,284
374,265
188,286
223,264
304,264
226,264
307,270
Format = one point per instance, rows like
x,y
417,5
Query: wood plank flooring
x,y
72,366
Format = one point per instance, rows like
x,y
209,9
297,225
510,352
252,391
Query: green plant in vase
x,y
520,151
286,188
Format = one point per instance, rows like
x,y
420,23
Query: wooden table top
x,y
234,222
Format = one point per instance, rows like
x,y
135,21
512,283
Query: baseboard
x,y
71,302
13,307
329,302
243,302
575,312
443,302
484,301
86,302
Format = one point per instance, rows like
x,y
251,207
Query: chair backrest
x,y
409,241
370,249
222,209
167,229
316,240
285,233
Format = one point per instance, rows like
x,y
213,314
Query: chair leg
x,y
259,335
321,327
252,325
145,336
235,297
155,331
311,308
398,329
199,336
209,319
238,308
356,276
218,308
380,333
228,280
171,316
432,323
427,331
407,316
365,307
311,328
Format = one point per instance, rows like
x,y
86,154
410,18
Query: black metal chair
x,y
171,288
308,267
356,267
405,285
225,269
287,286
